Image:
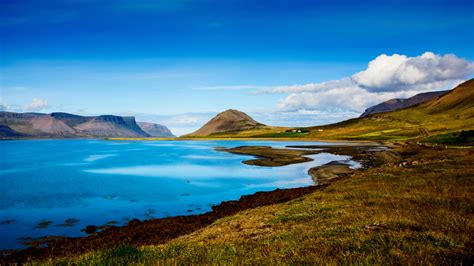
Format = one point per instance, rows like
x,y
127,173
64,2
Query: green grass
x,y
122,254
449,138
452,138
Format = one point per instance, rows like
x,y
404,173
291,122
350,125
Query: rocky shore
x,y
155,231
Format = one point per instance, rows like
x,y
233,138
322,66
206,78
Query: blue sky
x,y
180,62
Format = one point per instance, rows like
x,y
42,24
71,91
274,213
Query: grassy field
x,y
418,210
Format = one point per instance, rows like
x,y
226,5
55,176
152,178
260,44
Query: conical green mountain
x,y
230,121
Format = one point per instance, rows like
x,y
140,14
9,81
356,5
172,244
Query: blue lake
x,y
43,183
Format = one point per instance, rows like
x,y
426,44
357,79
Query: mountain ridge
x,y
398,103
66,125
460,99
156,130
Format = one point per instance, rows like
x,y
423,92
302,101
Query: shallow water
x,y
57,187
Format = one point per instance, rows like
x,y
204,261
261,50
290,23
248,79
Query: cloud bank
x,y
386,77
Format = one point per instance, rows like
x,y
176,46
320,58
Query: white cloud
x,y
400,72
3,107
36,105
386,77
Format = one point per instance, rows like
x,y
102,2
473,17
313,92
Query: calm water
x,y
43,183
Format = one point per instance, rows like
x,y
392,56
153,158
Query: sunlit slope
x,y
460,101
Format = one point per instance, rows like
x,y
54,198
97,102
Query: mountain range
x,y
65,125
156,130
396,104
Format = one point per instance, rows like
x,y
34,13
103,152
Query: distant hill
x,y
111,126
156,130
71,119
230,121
8,132
33,124
396,104
459,100
64,125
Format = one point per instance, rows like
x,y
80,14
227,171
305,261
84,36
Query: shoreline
x,y
161,230
342,141
367,155
355,141
147,232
